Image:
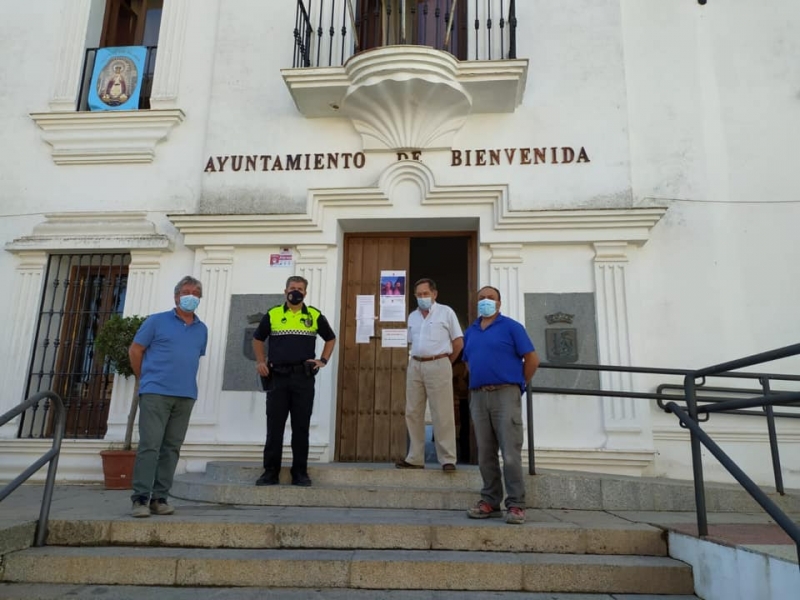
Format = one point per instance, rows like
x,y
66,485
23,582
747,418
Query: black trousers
x,y
289,394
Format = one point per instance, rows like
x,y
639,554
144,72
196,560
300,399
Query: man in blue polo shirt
x,y
501,360
165,355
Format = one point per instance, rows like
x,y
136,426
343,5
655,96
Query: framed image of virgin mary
x,y
116,78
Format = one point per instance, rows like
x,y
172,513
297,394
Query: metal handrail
x,y
50,456
772,509
690,419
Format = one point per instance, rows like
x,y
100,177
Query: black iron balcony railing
x,y
147,78
328,32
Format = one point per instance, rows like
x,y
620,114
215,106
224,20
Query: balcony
x,y
407,73
147,78
108,136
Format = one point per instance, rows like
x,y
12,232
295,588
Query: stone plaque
x,y
239,374
563,328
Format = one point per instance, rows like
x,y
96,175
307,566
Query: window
x,y
81,292
127,23
131,23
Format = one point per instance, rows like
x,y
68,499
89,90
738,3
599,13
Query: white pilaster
x,y
216,275
28,293
166,79
622,417
312,263
140,299
504,268
70,54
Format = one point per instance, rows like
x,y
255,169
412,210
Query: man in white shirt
x,y
436,341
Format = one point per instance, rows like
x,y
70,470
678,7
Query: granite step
x,y
197,487
367,485
357,569
201,526
24,591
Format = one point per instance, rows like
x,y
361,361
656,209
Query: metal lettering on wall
x,y
322,161
562,342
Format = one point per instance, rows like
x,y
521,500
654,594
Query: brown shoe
x,y
402,464
449,468
161,507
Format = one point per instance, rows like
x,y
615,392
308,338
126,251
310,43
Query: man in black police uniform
x,y
288,376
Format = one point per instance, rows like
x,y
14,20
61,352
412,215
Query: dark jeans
x,y
290,394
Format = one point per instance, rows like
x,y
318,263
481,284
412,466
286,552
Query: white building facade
x,y
625,173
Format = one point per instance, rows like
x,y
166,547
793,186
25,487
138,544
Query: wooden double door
x,y
370,424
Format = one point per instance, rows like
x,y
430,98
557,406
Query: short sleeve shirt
x,y
433,335
172,354
298,343
495,354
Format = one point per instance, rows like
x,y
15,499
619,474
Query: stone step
x,y
384,486
352,529
358,569
196,487
354,474
24,591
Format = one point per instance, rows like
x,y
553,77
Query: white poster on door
x,y
365,318
393,296
394,338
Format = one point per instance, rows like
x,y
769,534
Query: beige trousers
x,y
430,381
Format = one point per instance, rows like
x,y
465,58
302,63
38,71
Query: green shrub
x,y
115,337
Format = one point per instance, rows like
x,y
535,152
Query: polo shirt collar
x,y
303,309
195,318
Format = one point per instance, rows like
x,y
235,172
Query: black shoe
x,y
302,480
267,479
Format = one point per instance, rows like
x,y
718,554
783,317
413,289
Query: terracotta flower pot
x,y
118,468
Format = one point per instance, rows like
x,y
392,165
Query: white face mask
x,y
425,303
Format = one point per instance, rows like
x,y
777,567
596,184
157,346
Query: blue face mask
x,y
425,303
487,307
189,303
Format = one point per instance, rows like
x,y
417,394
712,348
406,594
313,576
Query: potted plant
x,y
112,342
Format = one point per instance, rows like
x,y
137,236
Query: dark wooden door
x,y
370,424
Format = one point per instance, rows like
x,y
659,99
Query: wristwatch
x,y
323,360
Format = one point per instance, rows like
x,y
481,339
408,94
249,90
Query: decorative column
x,y
622,417
166,79
73,26
312,264
216,275
504,268
140,299
28,295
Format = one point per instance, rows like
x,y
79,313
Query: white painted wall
x,y
731,573
694,108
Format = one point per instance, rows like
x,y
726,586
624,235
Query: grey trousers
x,y
163,421
497,420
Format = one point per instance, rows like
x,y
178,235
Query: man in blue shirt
x,y
501,360
165,355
